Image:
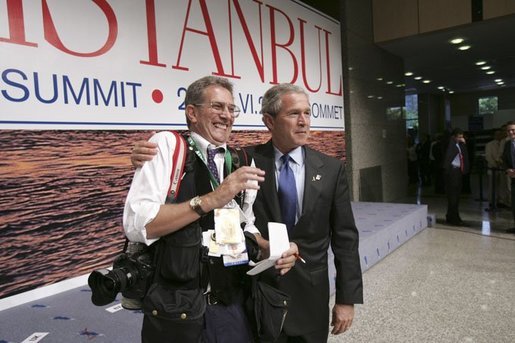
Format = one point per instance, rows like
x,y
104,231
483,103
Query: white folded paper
x,y
279,243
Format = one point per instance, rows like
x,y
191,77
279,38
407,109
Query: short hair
x,y
271,102
457,131
195,91
511,122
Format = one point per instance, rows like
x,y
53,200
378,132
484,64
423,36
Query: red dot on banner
x,y
157,96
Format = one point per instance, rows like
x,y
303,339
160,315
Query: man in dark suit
x,y
509,162
323,217
456,165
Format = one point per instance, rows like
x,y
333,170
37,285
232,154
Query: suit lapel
x,y
269,188
314,178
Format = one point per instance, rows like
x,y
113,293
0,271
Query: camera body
x,y
131,275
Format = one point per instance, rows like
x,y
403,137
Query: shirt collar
x,y
203,144
297,155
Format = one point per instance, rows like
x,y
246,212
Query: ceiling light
x,y
500,83
485,67
408,73
480,63
498,80
389,82
451,92
456,40
441,87
490,72
418,77
379,79
426,81
464,47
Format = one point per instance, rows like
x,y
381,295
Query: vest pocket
x,y
179,259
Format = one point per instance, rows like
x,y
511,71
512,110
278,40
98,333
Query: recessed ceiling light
x,y
464,47
418,77
370,96
480,63
379,79
408,73
500,83
451,92
457,40
498,80
426,81
441,87
490,72
389,82
485,67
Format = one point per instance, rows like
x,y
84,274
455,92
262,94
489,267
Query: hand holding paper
x,y
279,243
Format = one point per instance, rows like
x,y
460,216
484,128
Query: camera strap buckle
x,y
211,299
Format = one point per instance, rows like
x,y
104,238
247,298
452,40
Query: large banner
x,y
82,80
125,64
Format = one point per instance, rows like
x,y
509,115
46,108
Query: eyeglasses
x,y
219,107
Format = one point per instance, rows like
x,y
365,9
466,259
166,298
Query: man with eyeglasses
x,y
206,187
308,191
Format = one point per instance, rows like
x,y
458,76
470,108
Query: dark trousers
x,y
312,337
221,324
513,197
453,186
226,324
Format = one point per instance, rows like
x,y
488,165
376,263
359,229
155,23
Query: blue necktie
x,y
287,193
211,165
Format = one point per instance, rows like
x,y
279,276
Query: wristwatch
x,y
195,204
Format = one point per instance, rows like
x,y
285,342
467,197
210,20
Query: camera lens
x,y
104,285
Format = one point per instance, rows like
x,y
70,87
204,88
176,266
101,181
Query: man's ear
x,y
191,114
268,120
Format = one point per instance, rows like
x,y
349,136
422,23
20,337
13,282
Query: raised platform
x,y
50,314
383,227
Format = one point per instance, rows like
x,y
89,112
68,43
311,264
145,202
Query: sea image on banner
x,y
62,196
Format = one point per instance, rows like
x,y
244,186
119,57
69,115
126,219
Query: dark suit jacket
x,y
506,155
452,151
326,219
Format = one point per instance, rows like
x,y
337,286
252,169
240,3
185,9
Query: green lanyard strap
x,y
227,158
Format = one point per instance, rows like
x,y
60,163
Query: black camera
x,y
131,275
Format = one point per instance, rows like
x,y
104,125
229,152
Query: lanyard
x,y
227,158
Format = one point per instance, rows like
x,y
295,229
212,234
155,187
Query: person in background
x,y
456,165
436,157
321,216
424,161
509,163
208,183
493,159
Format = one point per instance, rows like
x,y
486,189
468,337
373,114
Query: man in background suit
x,y
509,162
323,217
456,164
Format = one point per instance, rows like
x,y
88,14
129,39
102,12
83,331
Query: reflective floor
x,y
446,284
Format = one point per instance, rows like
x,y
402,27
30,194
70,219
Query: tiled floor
x,y
447,284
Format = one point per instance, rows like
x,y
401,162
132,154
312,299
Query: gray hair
x,y
271,102
195,92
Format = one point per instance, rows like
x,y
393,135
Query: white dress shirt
x,y
150,186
